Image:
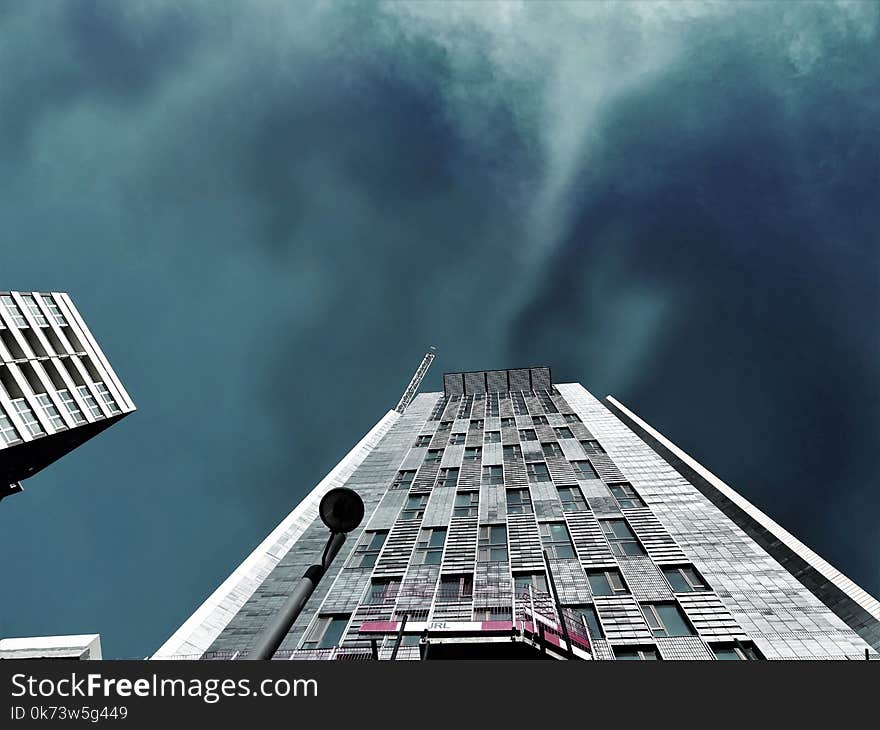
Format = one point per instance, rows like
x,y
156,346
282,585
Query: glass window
x,y
27,415
473,453
508,423
90,401
547,402
493,437
456,439
513,452
519,502
493,475
591,446
626,496
106,397
526,584
366,552
540,420
571,418
497,613
586,620
54,311
404,479
70,406
7,431
423,440
434,456
35,310
455,588
414,509
51,411
563,432
741,651
606,582
528,434
13,311
551,449
448,477
648,653
383,590
585,470
557,540
621,538
466,504
476,424
429,548
572,499
684,579
493,544
666,619
537,472
519,404
326,632
445,426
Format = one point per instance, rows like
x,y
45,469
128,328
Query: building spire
x,y
416,381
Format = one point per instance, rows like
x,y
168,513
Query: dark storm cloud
x,y
271,211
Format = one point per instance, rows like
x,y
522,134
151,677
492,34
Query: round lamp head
x,y
341,509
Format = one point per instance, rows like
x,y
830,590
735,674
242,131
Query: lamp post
x,y
342,510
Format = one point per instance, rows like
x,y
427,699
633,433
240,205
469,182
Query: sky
x,y
267,211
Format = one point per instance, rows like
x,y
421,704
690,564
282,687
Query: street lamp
x,y
342,510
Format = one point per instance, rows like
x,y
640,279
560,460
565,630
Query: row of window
x,y
10,435
18,319
526,434
493,400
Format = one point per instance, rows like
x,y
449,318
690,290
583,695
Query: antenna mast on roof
x,y
416,381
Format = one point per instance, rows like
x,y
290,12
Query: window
x,y
456,439
366,552
526,584
666,619
591,446
476,424
621,538
551,449
508,423
572,499
473,453
448,477
35,310
466,504
434,456
528,434
585,470
498,613
513,452
70,406
493,475
492,406
7,431
13,311
519,502
106,397
403,480
645,653
383,590
547,402
626,496
540,420
455,588
414,508
51,411
429,548
519,404
563,432
326,632
54,311
493,437
423,440
587,621
91,403
556,539
571,418
606,582
27,415
740,651
537,472
445,426
493,544
685,579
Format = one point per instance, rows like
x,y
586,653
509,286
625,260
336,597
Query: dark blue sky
x,y
267,211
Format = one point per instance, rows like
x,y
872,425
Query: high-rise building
x,y
509,516
78,646
57,389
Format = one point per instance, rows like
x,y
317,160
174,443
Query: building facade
x,y
57,389
509,516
